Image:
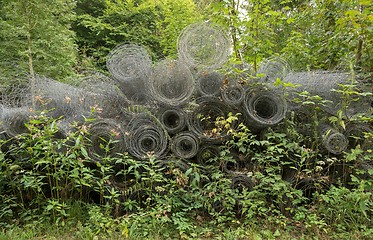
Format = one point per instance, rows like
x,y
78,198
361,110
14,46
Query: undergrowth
x,y
271,179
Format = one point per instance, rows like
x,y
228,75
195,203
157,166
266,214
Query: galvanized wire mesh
x,y
263,108
141,107
209,83
233,94
355,133
147,137
207,152
101,93
235,163
333,141
131,66
3,135
172,83
173,119
272,69
59,99
203,45
203,119
16,93
324,84
65,128
107,139
128,61
184,145
136,91
14,120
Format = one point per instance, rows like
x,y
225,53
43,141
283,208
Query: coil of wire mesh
x,y
302,118
57,98
185,145
131,66
172,83
14,120
136,91
322,83
106,139
3,135
147,137
332,140
235,163
171,163
127,61
241,182
173,119
16,92
207,152
203,45
263,108
273,68
209,83
233,94
203,119
101,93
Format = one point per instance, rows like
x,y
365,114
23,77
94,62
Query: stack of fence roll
x,y
169,110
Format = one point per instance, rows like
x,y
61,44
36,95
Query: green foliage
x,y
36,34
153,24
46,180
347,209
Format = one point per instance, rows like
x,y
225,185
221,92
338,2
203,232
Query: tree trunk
x,y
32,73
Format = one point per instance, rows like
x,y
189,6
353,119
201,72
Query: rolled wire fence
x,y
171,111
131,66
172,83
107,139
173,119
185,145
203,46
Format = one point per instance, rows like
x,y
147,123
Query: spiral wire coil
x,y
333,141
102,94
203,119
172,83
263,108
209,83
131,66
173,119
273,68
107,139
185,145
147,137
203,45
14,120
